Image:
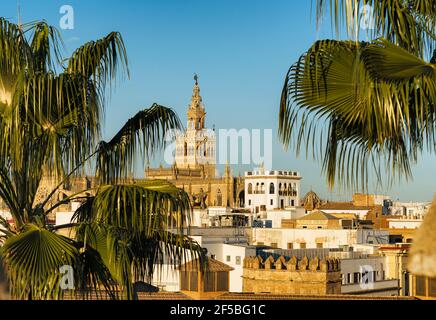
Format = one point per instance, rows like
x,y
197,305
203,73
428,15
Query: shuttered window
x,y
420,286
222,281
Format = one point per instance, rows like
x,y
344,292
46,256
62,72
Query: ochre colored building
x,y
292,277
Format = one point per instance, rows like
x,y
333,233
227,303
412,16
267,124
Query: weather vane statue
x,y
196,78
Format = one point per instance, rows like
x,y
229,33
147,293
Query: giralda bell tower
x,y
196,147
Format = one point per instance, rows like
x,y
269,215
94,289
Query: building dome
x,y
311,201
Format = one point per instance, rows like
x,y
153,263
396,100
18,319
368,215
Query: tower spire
x,y
196,112
196,100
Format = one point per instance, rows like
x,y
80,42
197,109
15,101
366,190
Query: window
x,y
272,188
250,188
228,258
432,288
356,277
303,245
274,244
420,286
290,245
238,260
319,245
193,281
249,202
319,227
304,227
209,282
260,243
184,283
272,202
292,203
222,281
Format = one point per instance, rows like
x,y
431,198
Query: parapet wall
x,y
294,276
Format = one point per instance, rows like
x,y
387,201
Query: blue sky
x,y
240,49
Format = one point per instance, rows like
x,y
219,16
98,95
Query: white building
x,y
229,249
410,210
232,254
366,275
64,217
316,238
404,223
273,218
269,190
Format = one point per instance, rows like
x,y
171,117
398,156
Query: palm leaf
x,y
136,228
145,131
410,24
349,107
34,258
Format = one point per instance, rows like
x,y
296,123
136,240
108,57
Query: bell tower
x,y
196,147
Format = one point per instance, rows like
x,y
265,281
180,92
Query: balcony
x,y
291,193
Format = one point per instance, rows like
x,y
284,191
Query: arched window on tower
x,y
272,188
186,149
250,188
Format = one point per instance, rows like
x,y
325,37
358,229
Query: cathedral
x,y
194,169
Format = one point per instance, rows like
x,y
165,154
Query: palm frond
x,y
34,259
409,24
350,107
45,42
136,228
99,60
144,132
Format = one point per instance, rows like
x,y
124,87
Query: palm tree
x,y
367,108
50,115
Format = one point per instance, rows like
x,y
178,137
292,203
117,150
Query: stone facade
x,y
293,276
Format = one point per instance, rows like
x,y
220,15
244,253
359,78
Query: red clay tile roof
x,y
213,266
